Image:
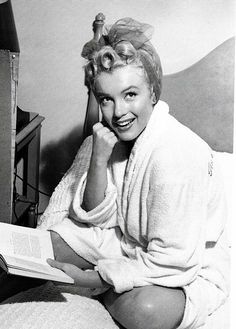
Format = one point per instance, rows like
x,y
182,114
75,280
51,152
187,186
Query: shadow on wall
x,y
202,96
57,157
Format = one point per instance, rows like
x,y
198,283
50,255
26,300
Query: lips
x,y
124,124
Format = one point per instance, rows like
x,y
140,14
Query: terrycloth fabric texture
x,y
163,217
54,307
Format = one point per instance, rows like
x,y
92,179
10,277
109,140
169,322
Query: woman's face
x,y
125,100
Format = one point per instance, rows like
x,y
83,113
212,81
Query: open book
x,y
24,251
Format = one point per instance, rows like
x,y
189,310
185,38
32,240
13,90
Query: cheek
x,y
145,115
144,109
107,115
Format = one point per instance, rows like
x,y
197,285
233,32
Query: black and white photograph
x,y
117,166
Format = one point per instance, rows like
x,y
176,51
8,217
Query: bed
x,y
201,97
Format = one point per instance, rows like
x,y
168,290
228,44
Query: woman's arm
x,y
104,141
87,279
67,194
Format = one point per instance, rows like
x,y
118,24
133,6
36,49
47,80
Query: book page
x,y
25,251
31,266
16,265
25,243
60,277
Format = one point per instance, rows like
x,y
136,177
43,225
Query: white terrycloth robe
x,y
162,221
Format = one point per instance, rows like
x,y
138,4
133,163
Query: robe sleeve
x,y
105,214
176,207
67,198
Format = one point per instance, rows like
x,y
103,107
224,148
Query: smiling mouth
x,y
123,125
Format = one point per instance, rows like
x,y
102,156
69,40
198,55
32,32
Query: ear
x,y
153,97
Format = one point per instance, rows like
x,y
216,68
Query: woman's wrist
x,y
97,160
93,279
96,183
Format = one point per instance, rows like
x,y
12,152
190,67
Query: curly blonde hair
x,y
109,58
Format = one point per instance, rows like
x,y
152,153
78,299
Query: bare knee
x,y
148,307
161,308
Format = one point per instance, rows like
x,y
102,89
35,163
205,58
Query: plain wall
x,y
51,36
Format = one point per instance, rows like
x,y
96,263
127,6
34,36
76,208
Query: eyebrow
x,y
128,88
99,94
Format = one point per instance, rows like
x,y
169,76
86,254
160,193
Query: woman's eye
x,y
104,100
130,95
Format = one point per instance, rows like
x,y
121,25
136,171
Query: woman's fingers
x,y
65,267
55,263
104,141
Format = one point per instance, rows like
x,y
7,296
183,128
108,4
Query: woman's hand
x,y
104,141
88,279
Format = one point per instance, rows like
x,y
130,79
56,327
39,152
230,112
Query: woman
x,y
142,206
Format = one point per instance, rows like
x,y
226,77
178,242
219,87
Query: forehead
x,y
120,79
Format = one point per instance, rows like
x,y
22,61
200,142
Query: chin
x,y
127,137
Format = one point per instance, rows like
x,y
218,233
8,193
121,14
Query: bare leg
x,y
64,253
149,307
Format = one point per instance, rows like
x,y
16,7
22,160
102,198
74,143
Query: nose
x,y
119,109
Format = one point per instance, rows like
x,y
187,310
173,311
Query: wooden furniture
x,y
9,67
8,90
27,153
19,142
